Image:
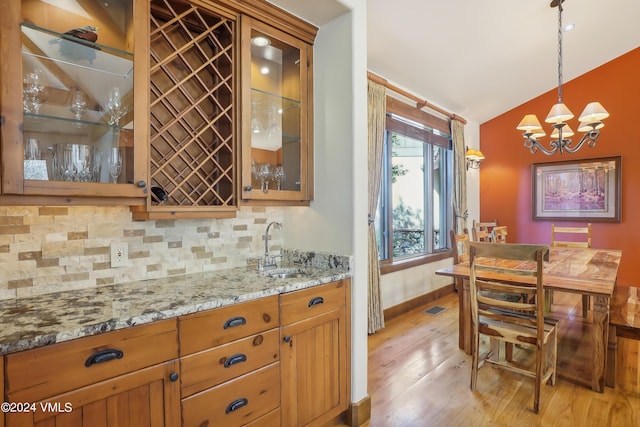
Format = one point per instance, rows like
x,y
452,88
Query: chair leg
x,y
508,351
474,360
586,302
554,356
538,381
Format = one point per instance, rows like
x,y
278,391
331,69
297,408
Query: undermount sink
x,y
287,273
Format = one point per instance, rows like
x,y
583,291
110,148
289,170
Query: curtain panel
x,y
376,122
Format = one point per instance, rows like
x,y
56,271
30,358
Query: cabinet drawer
x,y
272,419
47,371
211,367
211,328
236,402
301,305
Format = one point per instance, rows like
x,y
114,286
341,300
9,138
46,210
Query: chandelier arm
x,y
591,138
534,145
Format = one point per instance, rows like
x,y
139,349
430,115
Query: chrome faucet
x,y
269,261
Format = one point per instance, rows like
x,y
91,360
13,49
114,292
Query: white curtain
x,y
377,112
459,176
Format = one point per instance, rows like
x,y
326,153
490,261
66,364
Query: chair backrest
x,y
500,234
496,270
459,245
481,231
571,237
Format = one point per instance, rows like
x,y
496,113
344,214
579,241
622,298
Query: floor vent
x,y
435,310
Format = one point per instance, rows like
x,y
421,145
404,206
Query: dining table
x,y
584,271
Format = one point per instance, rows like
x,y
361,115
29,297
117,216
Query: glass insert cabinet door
x,y
77,71
275,127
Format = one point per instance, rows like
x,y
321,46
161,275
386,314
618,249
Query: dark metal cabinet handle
x,y
235,321
142,184
286,338
173,377
236,358
316,301
236,404
104,356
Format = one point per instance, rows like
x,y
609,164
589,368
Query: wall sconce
x,y
474,157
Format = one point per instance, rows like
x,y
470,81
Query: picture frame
x,y
577,190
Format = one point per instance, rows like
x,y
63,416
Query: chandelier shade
x,y
590,119
559,113
593,112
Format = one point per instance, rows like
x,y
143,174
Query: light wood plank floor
x,y
418,377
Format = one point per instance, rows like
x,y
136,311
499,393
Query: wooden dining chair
x,y
511,322
481,231
500,234
460,253
572,237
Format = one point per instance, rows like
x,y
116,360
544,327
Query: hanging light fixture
x,y
590,119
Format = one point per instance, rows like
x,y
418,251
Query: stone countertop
x,y
38,321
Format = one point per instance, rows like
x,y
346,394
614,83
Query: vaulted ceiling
x,y
480,59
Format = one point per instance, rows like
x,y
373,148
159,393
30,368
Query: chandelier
x,y
590,119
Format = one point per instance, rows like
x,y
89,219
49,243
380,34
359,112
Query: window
x,y
414,209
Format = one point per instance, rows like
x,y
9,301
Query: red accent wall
x,y
505,174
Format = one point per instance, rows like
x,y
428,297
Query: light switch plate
x,y
119,254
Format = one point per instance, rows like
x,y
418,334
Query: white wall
x,y
337,219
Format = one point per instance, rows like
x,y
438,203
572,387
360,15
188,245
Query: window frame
x,y
437,126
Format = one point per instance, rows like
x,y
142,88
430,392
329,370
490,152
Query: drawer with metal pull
x,y
211,367
200,331
57,368
236,402
301,305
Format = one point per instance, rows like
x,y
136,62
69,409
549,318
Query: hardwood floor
x,y
418,377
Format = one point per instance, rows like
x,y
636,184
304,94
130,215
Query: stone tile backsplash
x,y
51,249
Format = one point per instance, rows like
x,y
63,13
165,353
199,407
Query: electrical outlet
x,y
119,254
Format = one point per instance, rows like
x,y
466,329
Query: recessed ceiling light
x,y
260,41
569,27
264,70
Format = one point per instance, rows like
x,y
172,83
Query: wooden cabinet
x,y
192,91
71,125
277,115
314,353
230,365
127,377
157,115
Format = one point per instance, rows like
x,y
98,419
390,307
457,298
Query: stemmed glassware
x,y
115,164
115,107
263,174
274,125
279,176
77,102
34,91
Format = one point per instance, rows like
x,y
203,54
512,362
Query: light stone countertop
x,y
38,321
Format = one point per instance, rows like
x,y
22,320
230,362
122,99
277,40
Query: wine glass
x,y
264,173
77,102
278,176
34,90
274,125
115,164
115,107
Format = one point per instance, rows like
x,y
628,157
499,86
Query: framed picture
x,y
577,190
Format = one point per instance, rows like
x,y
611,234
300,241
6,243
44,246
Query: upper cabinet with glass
x,y
74,131
277,132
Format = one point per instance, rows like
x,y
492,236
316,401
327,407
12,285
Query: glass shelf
x,y
263,98
76,49
64,125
